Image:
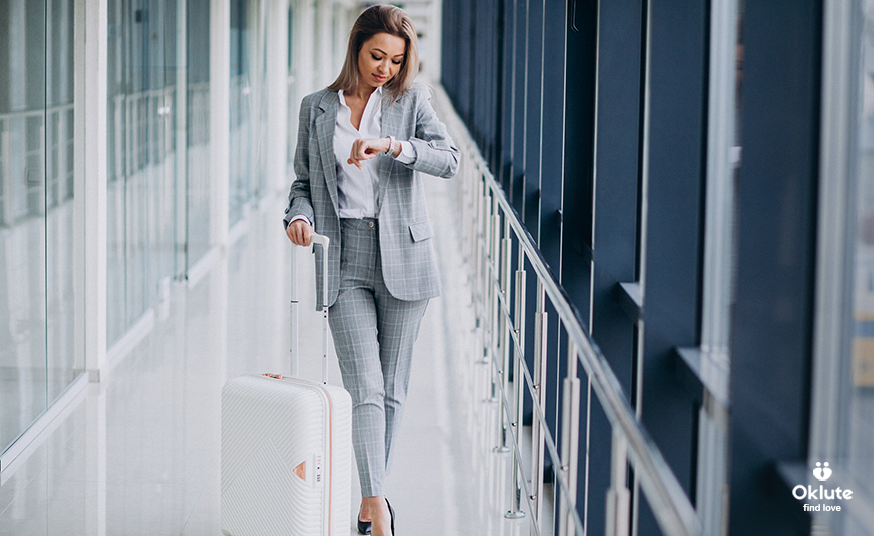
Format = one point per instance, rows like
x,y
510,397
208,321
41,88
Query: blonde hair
x,y
381,19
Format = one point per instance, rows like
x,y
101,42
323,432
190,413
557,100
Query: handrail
x,y
36,112
145,94
672,508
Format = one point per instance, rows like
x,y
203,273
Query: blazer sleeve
x,y
436,153
299,200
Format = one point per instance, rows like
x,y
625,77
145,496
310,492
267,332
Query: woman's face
x,y
380,58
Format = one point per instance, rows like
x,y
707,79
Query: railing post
x,y
537,432
492,281
475,206
618,497
476,252
483,274
504,324
463,197
495,313
476,187
570,442
477,191
516,511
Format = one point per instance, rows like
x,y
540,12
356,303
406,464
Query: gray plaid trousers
x,y
373,334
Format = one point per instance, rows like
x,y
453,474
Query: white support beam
x,y
90,184
435,51
277,95
836,213
78,185
219,119
303,51
181,126
325,39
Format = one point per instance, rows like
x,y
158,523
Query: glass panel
x,y
62,369
240,119
850,456
140,157
198,129
23,394
861,433
260,109
248,95
118,49
292,99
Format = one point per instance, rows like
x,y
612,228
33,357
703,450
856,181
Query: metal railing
x,y
491,230
140,127
36,153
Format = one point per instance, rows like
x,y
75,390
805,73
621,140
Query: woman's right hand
x,y
299,232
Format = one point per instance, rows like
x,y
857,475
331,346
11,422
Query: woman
x,y
359,142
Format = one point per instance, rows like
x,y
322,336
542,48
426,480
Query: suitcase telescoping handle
x,y
324,241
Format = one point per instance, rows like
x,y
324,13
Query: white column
x,y
324,43
219,118
715,325
839,188
277,94
304,48
78,185
90,184
181,148
435,41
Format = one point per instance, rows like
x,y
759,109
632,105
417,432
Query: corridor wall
x,y
696,176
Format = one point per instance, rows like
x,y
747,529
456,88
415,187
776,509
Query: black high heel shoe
x,y
392,512
363,526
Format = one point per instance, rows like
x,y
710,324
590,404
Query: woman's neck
x,y
363,92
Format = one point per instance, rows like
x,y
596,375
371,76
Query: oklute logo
x,y
821,472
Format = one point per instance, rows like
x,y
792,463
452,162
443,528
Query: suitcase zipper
x,y
330,482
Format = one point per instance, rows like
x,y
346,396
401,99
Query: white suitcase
x,y
286,451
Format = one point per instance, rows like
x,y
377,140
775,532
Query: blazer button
x,y
370,223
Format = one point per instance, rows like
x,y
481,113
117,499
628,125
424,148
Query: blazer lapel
x,y
392,117
325,125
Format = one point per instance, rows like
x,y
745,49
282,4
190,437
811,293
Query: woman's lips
x,y
380,78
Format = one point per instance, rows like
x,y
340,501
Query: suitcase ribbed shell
x,y
286,457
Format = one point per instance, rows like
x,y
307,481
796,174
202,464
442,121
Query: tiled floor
x,y
139,453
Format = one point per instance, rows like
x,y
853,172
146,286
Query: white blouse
x,y
358,189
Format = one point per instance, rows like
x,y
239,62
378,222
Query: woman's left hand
x,y
367,149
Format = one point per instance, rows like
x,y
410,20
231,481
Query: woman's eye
x,y
396,62
375,57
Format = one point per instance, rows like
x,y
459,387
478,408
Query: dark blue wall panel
x,y
773,317
534,109
677,162
520,59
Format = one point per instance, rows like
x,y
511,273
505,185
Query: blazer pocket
x,y
421,231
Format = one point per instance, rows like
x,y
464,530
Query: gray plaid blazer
x,y
408,265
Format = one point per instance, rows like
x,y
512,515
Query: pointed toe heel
x,y
363,526
392,512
